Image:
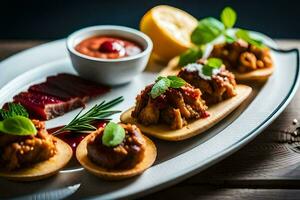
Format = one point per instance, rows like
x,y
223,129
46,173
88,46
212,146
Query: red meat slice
x,y
46,107
76,85
58,95
47,89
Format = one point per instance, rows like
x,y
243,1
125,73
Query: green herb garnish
x,y
190,56
14,121
229,39
210,28
176,82
113,134
212,63
228,17
164,83
207,70
12,110
245,35
207,30
84,122
17,125
160,87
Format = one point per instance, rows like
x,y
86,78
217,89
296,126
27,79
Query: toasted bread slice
x,y
256,75
217,113
42,169
119,174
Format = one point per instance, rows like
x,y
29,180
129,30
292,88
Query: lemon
x,y
170,29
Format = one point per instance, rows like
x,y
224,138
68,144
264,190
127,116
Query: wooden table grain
x,y
266,168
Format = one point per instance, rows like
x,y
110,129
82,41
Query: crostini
x,y
178,113
116,152
248,62
32,157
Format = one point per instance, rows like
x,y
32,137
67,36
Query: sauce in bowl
x,y
108,47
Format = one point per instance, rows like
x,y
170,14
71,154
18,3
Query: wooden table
x,y
266,168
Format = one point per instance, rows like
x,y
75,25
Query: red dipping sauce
x,y
73,138
108,47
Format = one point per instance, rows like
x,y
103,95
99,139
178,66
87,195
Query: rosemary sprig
x,y
84,122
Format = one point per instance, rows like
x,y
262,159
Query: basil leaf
x,y
160,87
207,30
12,110
162,84
176,82
190,56
242,34
228,17
245,35
207,70
229,39
160,77
113,134
214,62
17,125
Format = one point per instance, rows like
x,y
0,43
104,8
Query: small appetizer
x,y
172,109
82,124
27,151
116,152
58,95
242,53
169,101
210,76
246,60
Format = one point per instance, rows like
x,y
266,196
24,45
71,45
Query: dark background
x,y
27,19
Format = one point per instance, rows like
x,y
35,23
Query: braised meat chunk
x,y
123,156
215,88
22,151
174,107
242,57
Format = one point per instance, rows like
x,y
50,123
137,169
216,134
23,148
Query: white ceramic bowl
x,y
109,71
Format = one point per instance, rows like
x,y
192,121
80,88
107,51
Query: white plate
x,y
176,160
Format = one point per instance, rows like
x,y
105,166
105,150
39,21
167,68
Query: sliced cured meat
x,y
46,107
76,85
45,88
58,95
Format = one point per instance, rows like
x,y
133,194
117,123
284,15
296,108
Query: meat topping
x,y
174,107
123,156
22,151
242,57
221,85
